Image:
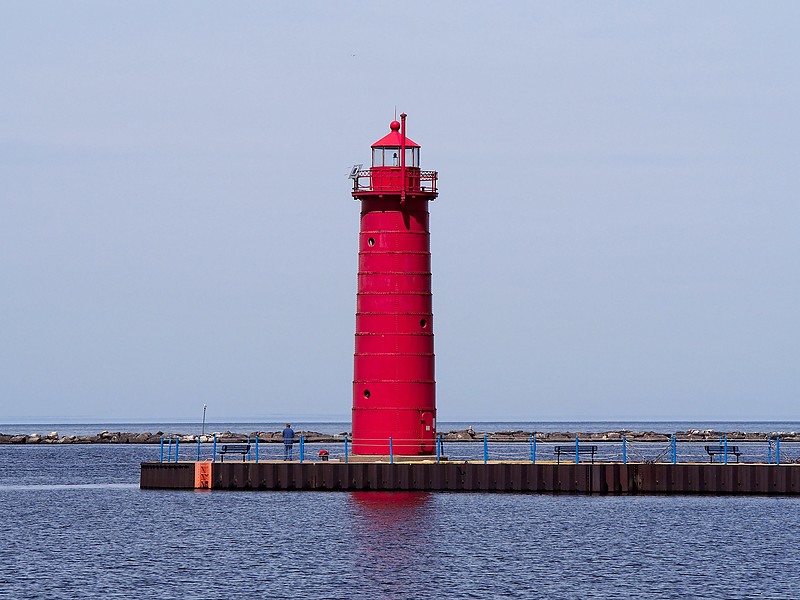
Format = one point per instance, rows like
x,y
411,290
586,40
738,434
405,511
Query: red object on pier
x,y
394,389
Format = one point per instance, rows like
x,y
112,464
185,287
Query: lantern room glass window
x,y
390,157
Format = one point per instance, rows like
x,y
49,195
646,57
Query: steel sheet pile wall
x,y
609,478
173,476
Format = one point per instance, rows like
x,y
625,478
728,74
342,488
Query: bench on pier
x,y
242,449
712,450
570,450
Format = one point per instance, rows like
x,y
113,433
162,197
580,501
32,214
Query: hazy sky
x,y
616,235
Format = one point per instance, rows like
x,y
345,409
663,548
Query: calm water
x,y
75,525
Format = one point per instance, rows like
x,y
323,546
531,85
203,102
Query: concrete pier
x,y
591,479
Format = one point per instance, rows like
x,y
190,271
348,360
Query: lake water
x,y
75,525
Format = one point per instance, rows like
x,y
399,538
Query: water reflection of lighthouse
x,y
394,387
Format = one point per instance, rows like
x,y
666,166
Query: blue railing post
x,y
214,456
256,449
169,449
302,447
485,449
624,450
346,450
533,448
673,444
391,452
438,448
577,451
725,450
177,441
777,450
198,448
161,450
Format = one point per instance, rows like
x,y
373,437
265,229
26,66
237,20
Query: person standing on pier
x,y
288,440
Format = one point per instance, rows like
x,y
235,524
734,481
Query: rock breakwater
x,y
464,435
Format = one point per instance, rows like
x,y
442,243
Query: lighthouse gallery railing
x,y
424,182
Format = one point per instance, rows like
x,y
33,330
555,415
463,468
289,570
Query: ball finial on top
x,y
394,125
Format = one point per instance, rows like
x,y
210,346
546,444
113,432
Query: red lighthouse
x,y
394,390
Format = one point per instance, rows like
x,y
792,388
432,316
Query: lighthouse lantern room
x,y
394,387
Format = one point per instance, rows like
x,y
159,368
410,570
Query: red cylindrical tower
x,y
394,390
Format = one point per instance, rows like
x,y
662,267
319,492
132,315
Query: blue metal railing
x,y
773,449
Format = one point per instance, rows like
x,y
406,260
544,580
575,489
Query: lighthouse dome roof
x,y
394,138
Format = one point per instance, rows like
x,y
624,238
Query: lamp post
x,y
203,428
